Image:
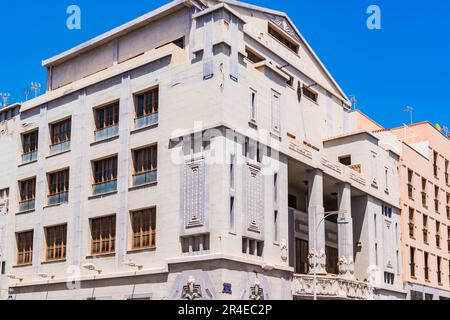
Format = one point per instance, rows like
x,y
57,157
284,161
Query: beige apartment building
x,y
425,187
201,151
425,202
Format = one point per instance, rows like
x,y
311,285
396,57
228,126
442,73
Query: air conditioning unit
x,y
3,207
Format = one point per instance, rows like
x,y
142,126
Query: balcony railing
x,y
59,148
331,287
106,133
105,187
29,157
147,120
58,198
143,178
27,205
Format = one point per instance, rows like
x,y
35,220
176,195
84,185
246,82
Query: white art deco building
x,y
201,151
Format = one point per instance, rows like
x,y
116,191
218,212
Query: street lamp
x,y
326,215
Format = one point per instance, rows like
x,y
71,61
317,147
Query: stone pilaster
x,y
345,232
316,222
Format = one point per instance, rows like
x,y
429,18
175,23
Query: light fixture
x,y
91,267
14,277
133,264
45,276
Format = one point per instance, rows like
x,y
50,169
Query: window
x,y
195,244
144,229
25,248
389,278
56,239
252,247
424,192
105,176
438,234
412,261
29,146
374,166
3,267
387,211
147,107
410,184
275,225
103,234
275,111
435,164
439,270
411,223
447,167
386,178
232,171
253,56
346,160
290,44
436,199
232,215
4,198
292,202
145,166
310,94
107,121
275,188
425,229
253,105
58,185
27,194
426,268
448,205
60,135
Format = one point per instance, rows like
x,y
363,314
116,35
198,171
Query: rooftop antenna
x,y
4,97
36,87
354,102
409,110
27,93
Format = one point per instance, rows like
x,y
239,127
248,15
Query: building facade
x,y
425,188
201,151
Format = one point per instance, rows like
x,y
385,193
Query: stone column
x,y
345,232
316,223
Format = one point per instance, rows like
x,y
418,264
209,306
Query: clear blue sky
x,y
407,62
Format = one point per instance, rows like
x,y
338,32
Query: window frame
x,y
154,107
102,110
141,233
24,250
27,142
51,241
57,139
97,235
103,171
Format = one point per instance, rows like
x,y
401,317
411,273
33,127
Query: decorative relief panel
x,y
284,24
194,194
254,199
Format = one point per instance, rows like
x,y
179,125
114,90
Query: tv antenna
x,y
410,110
4,99
27,93
36,87
353,101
